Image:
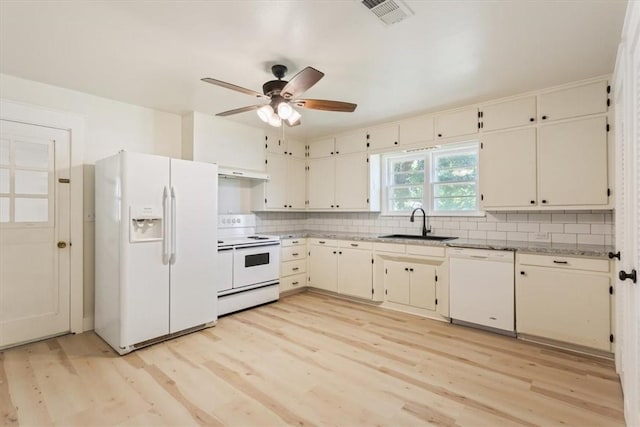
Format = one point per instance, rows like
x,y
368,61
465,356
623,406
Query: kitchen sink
x,y
414,237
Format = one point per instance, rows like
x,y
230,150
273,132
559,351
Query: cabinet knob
x,y
544,117
340,253
331,205
544,201
332,152
411,269
395,142
522,273
285,206
439,135
532,119
623,275
62,245
334,252
406,269
337,206
337,152
533,202
616,255
289,205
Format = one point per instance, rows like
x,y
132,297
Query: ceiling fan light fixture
x,y
284,110
294,117
265,113
275,120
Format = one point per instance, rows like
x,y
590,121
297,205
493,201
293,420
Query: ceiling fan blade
x,y
233,87
301,82
323,104
239,110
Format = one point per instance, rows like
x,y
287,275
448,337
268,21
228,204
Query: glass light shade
x,y
275,120
265,113
294,117
284,110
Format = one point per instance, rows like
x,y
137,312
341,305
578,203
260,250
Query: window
x,y
440,180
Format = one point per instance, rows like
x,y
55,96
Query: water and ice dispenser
x,y
145,223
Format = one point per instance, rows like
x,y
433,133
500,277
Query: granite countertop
x,y
503,245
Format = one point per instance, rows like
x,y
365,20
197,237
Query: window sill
x,y
436,214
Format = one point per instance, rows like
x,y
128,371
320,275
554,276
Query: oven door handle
x,y
252,246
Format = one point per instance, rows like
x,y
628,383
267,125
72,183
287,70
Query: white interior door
x,y
34,217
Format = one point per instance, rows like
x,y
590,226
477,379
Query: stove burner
x,y
220,241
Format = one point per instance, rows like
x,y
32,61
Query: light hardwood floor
x,y
309,359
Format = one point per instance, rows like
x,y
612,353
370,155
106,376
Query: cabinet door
x,y
351,143
416,129
458,123
276,186
508,169
383,137
321,183
422,287
296,182
564,306
518,112
352,181
355,273
396,282
321,148
572,163
295,148
573,102
323,268
274,143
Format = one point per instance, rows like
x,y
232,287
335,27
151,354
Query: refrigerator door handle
x,y
172,259
165,215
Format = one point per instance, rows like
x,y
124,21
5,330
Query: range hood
x,y
242,173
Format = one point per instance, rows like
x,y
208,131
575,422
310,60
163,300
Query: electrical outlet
x,y
540,237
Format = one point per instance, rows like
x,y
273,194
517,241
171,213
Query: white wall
x,y
110,126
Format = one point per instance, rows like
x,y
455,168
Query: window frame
x,y
428,200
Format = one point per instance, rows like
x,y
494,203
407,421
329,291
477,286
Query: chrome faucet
x,y
424,221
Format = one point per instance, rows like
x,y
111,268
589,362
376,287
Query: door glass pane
x,y
4,152
31,182
31,154
31,210
4,209
4,181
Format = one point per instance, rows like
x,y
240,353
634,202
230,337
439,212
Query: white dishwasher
x,y
481,288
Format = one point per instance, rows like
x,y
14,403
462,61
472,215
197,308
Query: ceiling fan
x,y
282,95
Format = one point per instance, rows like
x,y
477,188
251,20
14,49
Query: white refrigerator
x,y
155,248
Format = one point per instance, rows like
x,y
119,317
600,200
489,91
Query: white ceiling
x,y
449,53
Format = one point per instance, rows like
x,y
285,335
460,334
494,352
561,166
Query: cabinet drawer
x,y
390,247
291,253
572,263
292,282
294,241
355,244
293,267
322,242
426,250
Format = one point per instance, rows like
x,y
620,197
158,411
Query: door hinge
x,y
481,145
436,301
367,142
266,145
385,292
371,291
608,102
266,161
608,88
610,290
371,260
482,197
367,160
478,125
367,200
266,138
608,192
385,271
309,253
479,114
265,200
607,127
64,180
611,338
436,277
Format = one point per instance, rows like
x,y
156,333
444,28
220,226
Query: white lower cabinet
x,y
344,267
410,283
564,299
293,264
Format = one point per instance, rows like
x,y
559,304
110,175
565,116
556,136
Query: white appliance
x,y
248,264
481,288
155,242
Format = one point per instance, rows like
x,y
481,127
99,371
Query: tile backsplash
x,y
585,227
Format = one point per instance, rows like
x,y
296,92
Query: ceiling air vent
x,y
388,11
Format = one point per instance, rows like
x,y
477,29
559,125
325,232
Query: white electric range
x,y
248,264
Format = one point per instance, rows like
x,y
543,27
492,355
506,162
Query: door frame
x,y
75,125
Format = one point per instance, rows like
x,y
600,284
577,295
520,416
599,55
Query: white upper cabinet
x,y
572,163
508,169
351,143
508,114
416,129
352,181
274,143
275,191
577,101
458,123
321,178
295,148
296,182
382,137
321,148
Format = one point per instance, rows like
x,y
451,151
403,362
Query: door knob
x,y
62,245
623,275
616,255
